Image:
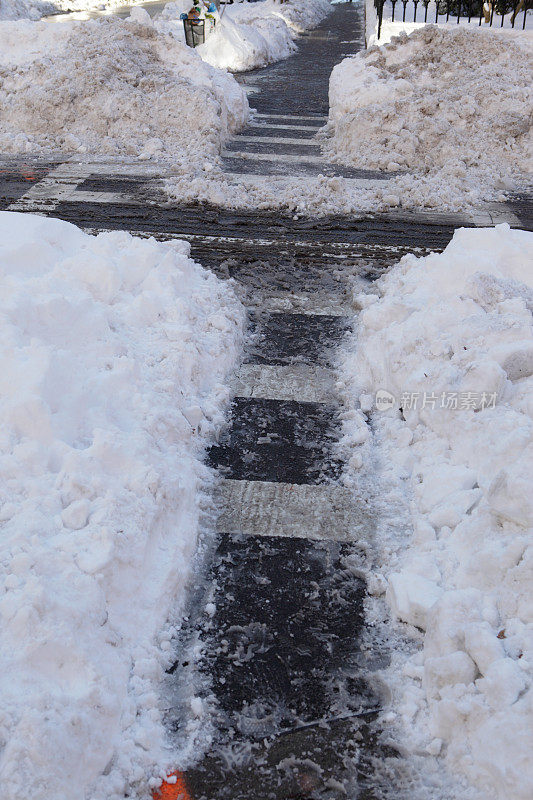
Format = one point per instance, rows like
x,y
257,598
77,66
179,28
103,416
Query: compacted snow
x,y
113,88
114,352
445,351
450,107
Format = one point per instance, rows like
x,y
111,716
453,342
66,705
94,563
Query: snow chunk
x,y
502,683
75,516
411,597
448,670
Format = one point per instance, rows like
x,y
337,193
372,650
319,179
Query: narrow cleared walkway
x,y
291,105
282,661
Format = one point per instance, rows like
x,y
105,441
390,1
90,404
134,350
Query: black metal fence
x,y
493,14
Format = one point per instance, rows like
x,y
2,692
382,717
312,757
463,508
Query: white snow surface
x,y
34,9
112,88
449,107
443,329
114,354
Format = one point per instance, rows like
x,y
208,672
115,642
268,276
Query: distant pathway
x,y
291,101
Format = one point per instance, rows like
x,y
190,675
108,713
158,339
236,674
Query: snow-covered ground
x,y
450,107
443,360
35,9
114,354
113,88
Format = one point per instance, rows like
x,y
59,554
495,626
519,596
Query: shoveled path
x,y
283,658
276,642
291,105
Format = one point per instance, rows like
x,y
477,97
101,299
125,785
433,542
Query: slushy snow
x,y
449,107
114,355
446,343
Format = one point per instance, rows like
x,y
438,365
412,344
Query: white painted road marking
x,y
282,157
59,185
319,512
277,140
289,117
302,382
281,127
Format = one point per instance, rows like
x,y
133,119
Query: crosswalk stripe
x,y
318,119
276,140
302,382
282,127
319,512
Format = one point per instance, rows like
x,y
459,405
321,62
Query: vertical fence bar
x,y
447,10
503,13
491,13
393,8
416,2
524,22
426,4
404,9
436,11
469,10
380,16
458,10
513,15
481,14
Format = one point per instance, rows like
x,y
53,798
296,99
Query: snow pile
x,y
449,351
114,352
35,9
18,9
251,35
451,107
112,88
318,196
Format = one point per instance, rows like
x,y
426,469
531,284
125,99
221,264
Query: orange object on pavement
x,y
173,791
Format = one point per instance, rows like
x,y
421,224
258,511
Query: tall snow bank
x,y
112,87
450,345
451,107
251,35
35,9
113,356
20,9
